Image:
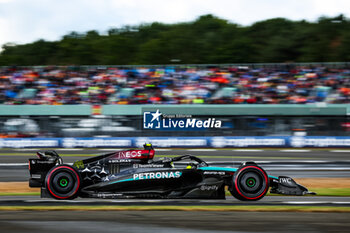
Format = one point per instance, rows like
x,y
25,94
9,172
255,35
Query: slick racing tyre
x,y
250,183
63,182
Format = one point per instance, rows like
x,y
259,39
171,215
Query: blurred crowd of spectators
x,y
233,85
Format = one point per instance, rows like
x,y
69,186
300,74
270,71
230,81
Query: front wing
x,y
287,186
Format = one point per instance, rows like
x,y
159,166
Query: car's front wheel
x,y
250,183
63,182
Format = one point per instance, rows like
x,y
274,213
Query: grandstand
x,y
269,84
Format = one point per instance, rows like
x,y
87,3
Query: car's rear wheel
x,y
250,183
63,182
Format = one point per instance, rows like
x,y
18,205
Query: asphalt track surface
x,y
171,221
309,200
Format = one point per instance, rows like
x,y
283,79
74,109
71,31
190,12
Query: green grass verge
x,y
181,208
332,191
21,194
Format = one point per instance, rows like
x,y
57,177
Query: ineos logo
x,y
130,154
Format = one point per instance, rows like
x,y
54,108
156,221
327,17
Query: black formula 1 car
x,y
134,174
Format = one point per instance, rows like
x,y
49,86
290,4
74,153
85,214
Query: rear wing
x,y
39,167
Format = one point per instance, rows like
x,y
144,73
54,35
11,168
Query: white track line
x,y
340,151
201,149
19,164
70,149
26,149
111,149
247,150
12,164
272,162
306,202
316,202
295,150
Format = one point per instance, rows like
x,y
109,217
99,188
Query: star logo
x,y
156,115
151,120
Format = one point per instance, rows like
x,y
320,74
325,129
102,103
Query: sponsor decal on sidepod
x,y
157,175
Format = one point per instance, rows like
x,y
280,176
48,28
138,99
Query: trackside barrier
x,y
186,142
